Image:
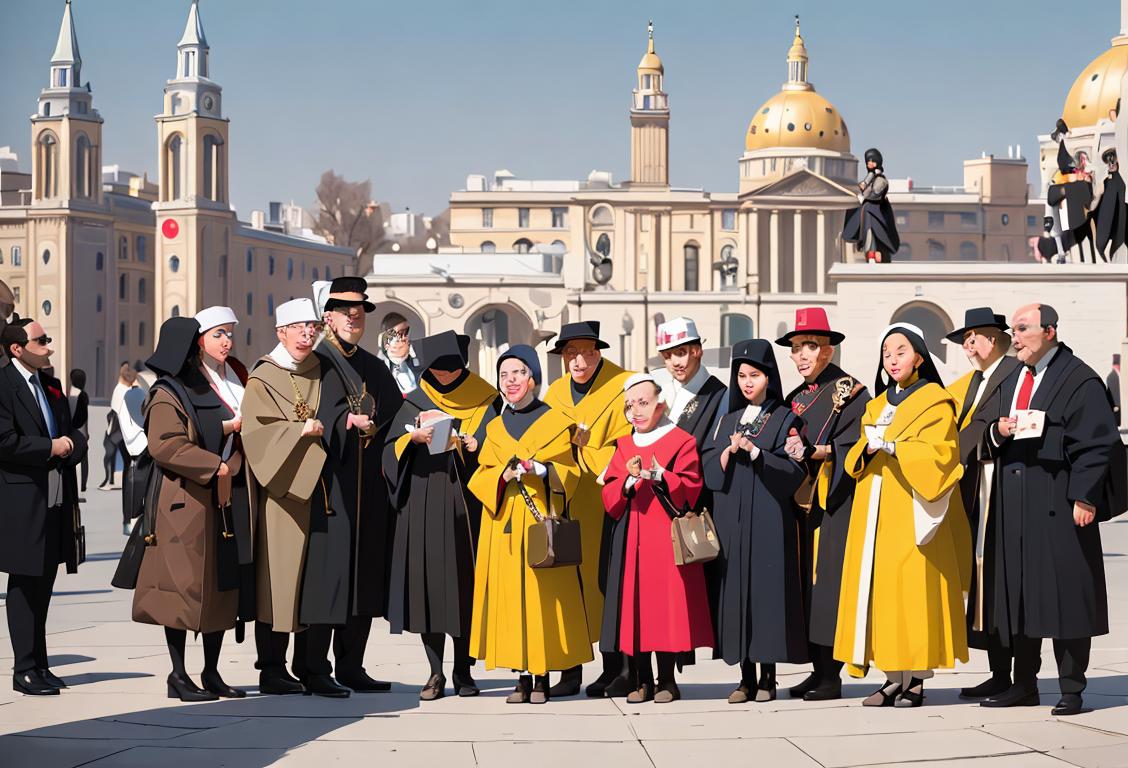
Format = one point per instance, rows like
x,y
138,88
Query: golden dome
x,y
797,116
650,61
797,119
1097,88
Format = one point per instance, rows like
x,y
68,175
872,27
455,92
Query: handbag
x,y
141,537
693,533
552,541
79,539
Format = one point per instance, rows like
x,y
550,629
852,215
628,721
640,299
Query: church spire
x,y
797,63
66,63
192,49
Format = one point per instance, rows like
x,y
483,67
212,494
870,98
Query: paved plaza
x,y
116,714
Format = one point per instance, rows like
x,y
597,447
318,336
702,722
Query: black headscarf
x,y
873,155
759,354
176,359
925,372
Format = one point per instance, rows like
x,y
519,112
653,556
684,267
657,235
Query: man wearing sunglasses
x,y
39,450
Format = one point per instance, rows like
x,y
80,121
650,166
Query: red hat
x,y
811,321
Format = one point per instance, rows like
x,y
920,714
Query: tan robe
x,y
286,467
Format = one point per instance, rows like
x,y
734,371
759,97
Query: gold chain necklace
x,y
302,411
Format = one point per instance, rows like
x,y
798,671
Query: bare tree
x,y
348,217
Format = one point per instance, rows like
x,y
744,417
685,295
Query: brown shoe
x,y
522,692
540,692
644,693
740,695
667,692
434,689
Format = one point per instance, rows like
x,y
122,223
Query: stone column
x,y
773,250
820,252
797,252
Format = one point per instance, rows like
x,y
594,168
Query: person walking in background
x,y
80,415
127,403
111,452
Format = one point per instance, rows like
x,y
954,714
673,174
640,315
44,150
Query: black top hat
x,y
979,317
445,351
583,330
348,291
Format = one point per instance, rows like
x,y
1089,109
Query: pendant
x,y
302,411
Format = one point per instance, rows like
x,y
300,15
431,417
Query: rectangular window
x,y
523,218
728,219
61,80
17,256
1031,222
141,243
16,294
968,219
559,218
646,81
935,218
646,102
902,219
487,217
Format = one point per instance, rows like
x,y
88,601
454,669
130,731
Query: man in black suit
x,y
39,450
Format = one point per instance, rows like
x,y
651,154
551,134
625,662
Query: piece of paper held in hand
x,y
443,429
1030,424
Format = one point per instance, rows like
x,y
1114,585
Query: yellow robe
x,y
958,390
601,410
469,402
524,618
901,605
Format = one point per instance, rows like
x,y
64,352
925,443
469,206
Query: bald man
x,y
1053,439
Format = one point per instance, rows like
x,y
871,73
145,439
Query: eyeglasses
x,y
310,327
44,340
394,335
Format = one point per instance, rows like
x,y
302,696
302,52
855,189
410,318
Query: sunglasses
x,y
44,340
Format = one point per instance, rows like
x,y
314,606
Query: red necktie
x,y
1025,391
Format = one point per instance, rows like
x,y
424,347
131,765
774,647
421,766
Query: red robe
x,y
660,606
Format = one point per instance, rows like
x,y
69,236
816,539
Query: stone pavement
x,y
116,714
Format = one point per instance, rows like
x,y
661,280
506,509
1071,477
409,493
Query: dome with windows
x,y
1096,90
797,116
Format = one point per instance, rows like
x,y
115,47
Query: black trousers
x,y
28,600
271,647
311,651
999,656
126,478
1072,662
349,643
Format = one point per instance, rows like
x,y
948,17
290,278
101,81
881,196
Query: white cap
x,y
320,294
639,378
215,316
295,311
674,333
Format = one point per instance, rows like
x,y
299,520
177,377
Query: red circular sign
x,y
170,228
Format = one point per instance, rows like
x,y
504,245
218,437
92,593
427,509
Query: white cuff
x,y
540,470
656,474
754,453
888,447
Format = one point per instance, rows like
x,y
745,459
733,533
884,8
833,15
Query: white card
x,y
1030,424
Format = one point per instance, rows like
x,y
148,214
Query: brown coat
x,y
177,584
284,467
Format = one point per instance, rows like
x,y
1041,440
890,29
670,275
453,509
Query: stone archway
x,y
492,329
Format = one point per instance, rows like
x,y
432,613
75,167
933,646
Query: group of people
x,y
324,486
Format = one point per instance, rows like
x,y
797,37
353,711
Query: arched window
x,y
601,215
123,248
174,264
82,176
735,328
141,290
174,158
692,262
48,165
969,251
930,319
488,246
123,288
213,167
905,252
936,250
728,267
175,311
99,260
523,245
46,256
603,245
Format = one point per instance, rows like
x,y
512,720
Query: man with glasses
x,y
1059,468
985,341
397,353
39,450
299,508
359,400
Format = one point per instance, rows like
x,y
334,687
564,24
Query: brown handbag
x,y
693,534
552,541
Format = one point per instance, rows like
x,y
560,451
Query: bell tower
x,y
650,122
194,216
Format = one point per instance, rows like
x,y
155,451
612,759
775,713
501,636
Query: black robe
x,y
1110,215
874,216
759,610
820,426
356,463
432,565
1052,582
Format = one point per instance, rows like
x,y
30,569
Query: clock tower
x,y
193,212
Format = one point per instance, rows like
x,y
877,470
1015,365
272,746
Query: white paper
x,y
1030,424
440,437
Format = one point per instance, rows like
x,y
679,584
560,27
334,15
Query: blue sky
x,y
416,95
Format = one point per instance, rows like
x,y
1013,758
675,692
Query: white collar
x,y
283,358
27,372
989,371
643,439
751,411
696,382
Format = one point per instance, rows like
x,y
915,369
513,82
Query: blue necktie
x,y
44,405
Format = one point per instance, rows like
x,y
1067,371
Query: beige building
x,y
100,256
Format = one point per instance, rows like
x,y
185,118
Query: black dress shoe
x,y
619,687
434,689
214,683
464,684
31,684
362,683
598,689
809,684
569,684
826,691
1015,696
996,686
325,685
1070,704
51,678
278,682
181,687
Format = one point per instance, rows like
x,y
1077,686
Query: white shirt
x,y
28,374
678,396
1039,374
226,385
987,374
127,403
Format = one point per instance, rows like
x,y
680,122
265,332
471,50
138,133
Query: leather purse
x,y
692,532
552,541
129,565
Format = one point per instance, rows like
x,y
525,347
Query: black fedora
x,y
979,317
349,291
588,330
